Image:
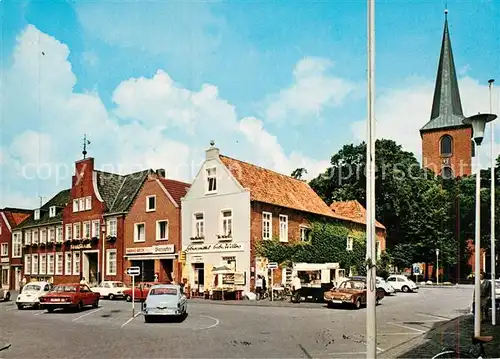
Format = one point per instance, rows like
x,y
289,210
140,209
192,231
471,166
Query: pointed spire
x,y
447,106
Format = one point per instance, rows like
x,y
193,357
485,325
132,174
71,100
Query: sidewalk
x,y
259,303
456,333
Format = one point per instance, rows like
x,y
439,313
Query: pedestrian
x,y
23,283
156,277
264,286
485,295
83,281
258,287
296,285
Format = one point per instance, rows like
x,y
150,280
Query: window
x,y
88,203
111,227
50,264
35,236
37,214
226,222
43,264
67,270
139,232
96,227
76,230
283,228
43,235
27,264
34,264
59,234
52,234
231,262
199,225
111,262
162,230
446,145
81,204
305,234
349,243
5,277
211,180
473,149
4,249
76,263
68,234
150,203
17,245
447,173
75,205
86,229
27,238
59,263
267,225
52,211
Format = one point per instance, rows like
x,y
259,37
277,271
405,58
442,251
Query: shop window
x,y
150,203
162,230
446,145
139,232
211,174
227,222
267,225
283,228
111,262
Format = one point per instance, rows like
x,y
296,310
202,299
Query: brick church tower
x,y
447,148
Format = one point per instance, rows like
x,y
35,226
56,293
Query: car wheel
x,y
377,301
50,310
147,319
405,289
128,298
7,297
111,296
20,306
95,304
358,303
329,305
79,306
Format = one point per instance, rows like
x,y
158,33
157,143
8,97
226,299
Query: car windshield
x,y
352,284
64,288
32,287
163,291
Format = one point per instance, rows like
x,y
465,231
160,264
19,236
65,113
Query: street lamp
x,y
492,213
437,266
478,123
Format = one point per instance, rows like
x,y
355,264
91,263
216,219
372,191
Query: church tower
x,y
447,148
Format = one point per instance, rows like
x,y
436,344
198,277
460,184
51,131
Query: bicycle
x,y
477,351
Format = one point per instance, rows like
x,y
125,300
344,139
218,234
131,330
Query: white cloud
x,y
313,90
401,112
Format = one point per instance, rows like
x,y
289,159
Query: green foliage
x,y
298,173
328,245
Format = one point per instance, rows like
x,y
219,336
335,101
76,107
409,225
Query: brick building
x,y
11,247
153,228
447,148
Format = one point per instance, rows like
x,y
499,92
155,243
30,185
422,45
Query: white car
x,y
4,295
31,293
401,283
164,300
110,289
388,289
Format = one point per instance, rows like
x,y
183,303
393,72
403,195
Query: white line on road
x,y
39,313
89,313
128,321
434,316
406,327
11,309
387,334
211,326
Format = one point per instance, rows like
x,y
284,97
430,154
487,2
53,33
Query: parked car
x,y
69,296
164,300
350,292
4,295
401,283
141,291
110,289
31,293
381,284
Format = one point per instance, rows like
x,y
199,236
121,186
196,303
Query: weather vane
x,y
85,143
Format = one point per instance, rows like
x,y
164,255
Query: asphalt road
x,y
225,331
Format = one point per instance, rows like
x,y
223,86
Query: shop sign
x,y
197,259
81,246
4,260
214,247
160,249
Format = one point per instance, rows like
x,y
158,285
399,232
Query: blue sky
x,y
280,84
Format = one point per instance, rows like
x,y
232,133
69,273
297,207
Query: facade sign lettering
x,y
215,247
161,249
81,246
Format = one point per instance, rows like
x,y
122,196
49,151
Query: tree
x,y
299,173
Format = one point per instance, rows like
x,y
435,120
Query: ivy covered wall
x,y
328,244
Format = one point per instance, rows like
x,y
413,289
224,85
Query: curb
x,y
248,303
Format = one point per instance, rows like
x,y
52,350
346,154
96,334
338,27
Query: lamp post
x,y
478,123
492,214
437,266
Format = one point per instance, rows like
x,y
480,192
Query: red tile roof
x,y
16,217
353,210
177,189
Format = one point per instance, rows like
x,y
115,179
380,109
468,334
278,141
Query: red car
x,y
66,296
141,291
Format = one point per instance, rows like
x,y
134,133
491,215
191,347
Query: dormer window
x,y
52,211
37,214
211,180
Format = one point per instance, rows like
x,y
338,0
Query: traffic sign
x,y
134,271
416,268
272,265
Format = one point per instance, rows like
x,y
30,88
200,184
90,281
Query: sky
x,y
281,84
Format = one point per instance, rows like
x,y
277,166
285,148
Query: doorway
x,y
90,267
199,277
147,269
18,279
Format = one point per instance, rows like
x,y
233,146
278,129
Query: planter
x,y
111,238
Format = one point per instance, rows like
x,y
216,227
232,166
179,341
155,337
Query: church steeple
x,y
447,106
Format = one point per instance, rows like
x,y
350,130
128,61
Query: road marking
x,y
39,313
387,334
406,327
211,326
128,321
380,349
434,316
11,309
89,313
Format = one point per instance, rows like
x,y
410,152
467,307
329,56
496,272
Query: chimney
x,y
212,152
161,172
